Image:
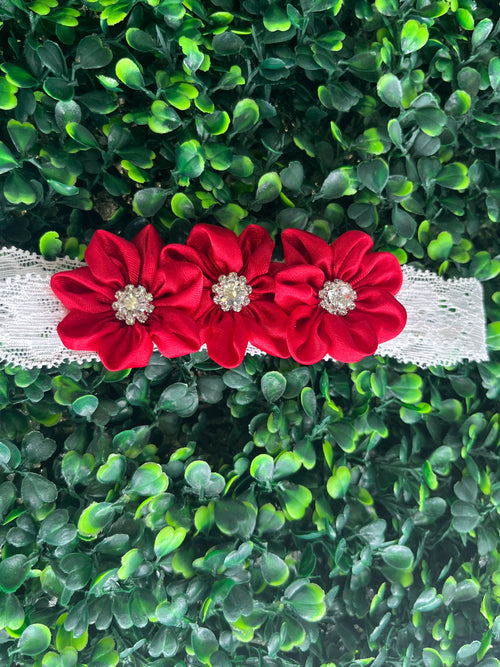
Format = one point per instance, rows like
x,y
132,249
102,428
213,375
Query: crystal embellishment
x,y
337,297
133,304
231,292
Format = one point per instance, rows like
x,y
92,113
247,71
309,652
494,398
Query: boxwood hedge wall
x,y
183,514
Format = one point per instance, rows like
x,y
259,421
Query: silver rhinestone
x,y
133,304
337,297
231,292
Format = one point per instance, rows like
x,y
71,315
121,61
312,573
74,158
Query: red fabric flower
x,y
339,297
225,329
90,294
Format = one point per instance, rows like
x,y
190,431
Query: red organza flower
x,y
237,305
339,297
126,299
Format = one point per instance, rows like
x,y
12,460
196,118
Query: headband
x,y
221,291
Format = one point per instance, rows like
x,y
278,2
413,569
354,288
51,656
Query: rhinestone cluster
x,y
337,297
133,304
231,292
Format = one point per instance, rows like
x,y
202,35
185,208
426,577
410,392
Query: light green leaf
x,y
389,90
129,74
168,539
338,484
414,36
268,188
148,480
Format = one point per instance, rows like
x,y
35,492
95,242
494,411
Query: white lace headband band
x,y
445,325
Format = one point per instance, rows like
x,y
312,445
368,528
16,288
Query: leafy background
x,y
272,514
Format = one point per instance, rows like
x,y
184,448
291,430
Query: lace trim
x,y
446,319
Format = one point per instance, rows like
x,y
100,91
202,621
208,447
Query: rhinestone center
x,y
337,297
133,304
231,292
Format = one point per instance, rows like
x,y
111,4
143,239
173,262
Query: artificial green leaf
x,y
129,74
338,183
171,613
273,385
182,206
389,90
408,388
465,516
17,76
140,40
23,135
454,176
37,490
17,190
95,518
168,539
91,54
204,644
7,161
245,115
52,56
306,600
148,480
164,118
275,19
190,161
440,248
112,470
338,484
34,640
13,572
274,569
234,517
414,35
81,135
11,612
398,556
227,43
268,187
373,174
8,90
149,201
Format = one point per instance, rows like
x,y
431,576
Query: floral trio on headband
x,y
224,291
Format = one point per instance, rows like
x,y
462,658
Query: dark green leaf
x,y
149,201
91,54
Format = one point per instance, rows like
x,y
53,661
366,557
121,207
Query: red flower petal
x,y
227,339
179,285
263,287
125,347
112,260
149,244
298,285
82,331
266,325
174,332
380,269
256,250
385,314
306,337
78,289
350,340
304,248
349,254
118,345
218,250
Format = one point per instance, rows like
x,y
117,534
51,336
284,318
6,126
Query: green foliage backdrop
x,y
336,515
